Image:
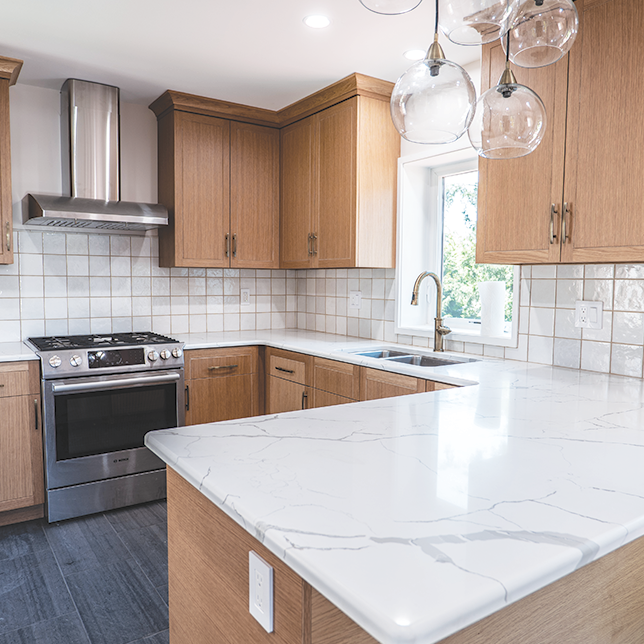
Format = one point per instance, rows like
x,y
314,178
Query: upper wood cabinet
x,y
578,197
219,179
338,182
9,70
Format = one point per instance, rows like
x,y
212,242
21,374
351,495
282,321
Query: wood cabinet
x,y
287,382
334,382
375,384
338,182
9,70
219,179
221,384
22,487
578,197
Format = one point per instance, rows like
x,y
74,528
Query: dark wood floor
x,y
101,579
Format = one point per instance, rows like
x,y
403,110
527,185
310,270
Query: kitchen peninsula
x,y
453,516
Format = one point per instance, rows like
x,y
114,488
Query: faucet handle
x,y
444,330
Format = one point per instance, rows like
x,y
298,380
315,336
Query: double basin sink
x,y
415,359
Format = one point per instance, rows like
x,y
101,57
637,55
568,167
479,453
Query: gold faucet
x,y
439,329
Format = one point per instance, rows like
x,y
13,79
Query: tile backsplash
x,y
68,283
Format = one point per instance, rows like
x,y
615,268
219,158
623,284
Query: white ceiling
x,y
256,52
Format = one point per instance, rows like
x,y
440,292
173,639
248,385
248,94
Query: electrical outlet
x,y
245,296
260,591
589,315
355,299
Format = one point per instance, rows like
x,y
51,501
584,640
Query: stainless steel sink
x,y
380,353
430,361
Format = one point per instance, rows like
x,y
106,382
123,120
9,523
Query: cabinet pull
x,y
553,211
304,399
564,227
284,370
234,245
314,239
37,424
223,366
227,245
310,244
8,229
187,397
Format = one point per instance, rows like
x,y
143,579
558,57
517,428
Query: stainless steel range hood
x,y
91,167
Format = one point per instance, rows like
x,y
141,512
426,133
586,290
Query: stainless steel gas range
x,y
101,395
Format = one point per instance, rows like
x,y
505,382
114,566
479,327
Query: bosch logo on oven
x,y
120,460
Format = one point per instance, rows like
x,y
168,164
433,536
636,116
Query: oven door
x,y
94,426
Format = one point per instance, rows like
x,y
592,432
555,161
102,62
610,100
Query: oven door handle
x,y
77,387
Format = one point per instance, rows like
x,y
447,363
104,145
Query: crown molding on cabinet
x,y
10,69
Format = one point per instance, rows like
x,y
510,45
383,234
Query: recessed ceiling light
x,y
317,22
414,54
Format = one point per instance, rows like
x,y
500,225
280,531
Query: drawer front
x,y
218,363
338,378
377,384
287,369
19,379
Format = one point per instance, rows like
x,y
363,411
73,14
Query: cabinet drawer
x,y
287,369
217,363
335,377
19,378
375,384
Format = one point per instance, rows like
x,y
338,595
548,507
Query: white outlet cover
x,y
589,315
355,299
245,297
260,591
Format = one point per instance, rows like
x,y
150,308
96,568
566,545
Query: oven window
x,y
99,422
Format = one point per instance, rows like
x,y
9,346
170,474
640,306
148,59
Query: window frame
x,y
420,217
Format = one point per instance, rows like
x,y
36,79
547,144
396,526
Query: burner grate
x,y
51,343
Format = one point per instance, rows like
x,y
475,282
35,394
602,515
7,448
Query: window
x,y
437,232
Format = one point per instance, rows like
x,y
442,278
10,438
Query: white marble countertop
x,y
418,516
15,351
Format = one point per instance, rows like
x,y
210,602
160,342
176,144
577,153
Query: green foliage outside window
x,y
461,273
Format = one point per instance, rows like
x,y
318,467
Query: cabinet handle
x,y
37,427
234,245
310,244
554,210
564,228
8,229
227,245
187,397
223,366
314,238
284,370
304,399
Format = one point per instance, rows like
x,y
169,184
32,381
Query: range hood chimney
x,y
91,167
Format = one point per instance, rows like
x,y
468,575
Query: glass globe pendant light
x,y
543,31
475,22
390,7
432,102
509,121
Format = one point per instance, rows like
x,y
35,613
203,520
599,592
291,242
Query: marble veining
x,y
420,515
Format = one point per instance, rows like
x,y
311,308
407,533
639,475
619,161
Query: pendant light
x,y
432,102
543,31
390,7
509,120
475,22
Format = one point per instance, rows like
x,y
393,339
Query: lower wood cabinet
x,y
22,486
287,382
334,382
375,384
221,384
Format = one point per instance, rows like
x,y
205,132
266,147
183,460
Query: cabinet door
x,y
335,190
431,385
337,378
286,395
515,196
6,221
605,139
222,398
375,384
254,196
194,153
21,466
327,399
296,194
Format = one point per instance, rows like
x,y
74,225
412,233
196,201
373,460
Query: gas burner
x,y
52,343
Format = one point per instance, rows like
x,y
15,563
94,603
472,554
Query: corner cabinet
x,y
9,70
338,185
219,179
578,197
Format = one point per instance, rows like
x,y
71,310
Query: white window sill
x,y
461,335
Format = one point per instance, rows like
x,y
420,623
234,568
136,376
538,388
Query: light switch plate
x,y
260,590
245,296
355,299
589,315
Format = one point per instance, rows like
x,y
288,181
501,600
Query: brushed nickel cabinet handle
x,y
223,366
310,244
553,211
8,229
234,245
284,370
227,245
304,399
187,390
315,243
564,227
1,386
36,414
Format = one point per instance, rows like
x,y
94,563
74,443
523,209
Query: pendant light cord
x,y
507,50
436,24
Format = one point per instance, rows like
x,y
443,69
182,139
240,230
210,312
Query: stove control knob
x,y
55,362
152,356
165,354
75,361
177,353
